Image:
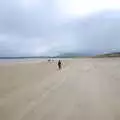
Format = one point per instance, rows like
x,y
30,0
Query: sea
x,y
20,60
12,60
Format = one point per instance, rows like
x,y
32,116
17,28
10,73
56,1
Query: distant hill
x,y
68,55
72,55
116,54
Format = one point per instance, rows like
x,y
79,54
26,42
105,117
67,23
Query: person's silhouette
x,y
59,64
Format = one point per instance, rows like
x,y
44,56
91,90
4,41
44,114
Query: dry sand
x,y
85,89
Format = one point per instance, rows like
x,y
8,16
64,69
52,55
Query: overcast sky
x,y
36,27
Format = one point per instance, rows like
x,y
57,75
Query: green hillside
x,y
117,54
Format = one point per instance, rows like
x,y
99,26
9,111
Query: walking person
x,y
59,64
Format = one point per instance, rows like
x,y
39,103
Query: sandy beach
x,y
85,89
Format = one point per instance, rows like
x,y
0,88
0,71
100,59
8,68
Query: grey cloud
x,y
39,31
23,28
19,21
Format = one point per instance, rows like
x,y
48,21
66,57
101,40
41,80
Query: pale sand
x,y
85,89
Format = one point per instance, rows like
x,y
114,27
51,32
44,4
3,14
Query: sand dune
x,y
85,89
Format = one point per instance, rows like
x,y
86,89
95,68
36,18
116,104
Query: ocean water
x,y
30,60
20,60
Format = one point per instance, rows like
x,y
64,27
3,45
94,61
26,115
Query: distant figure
x,y
59,65
49,60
